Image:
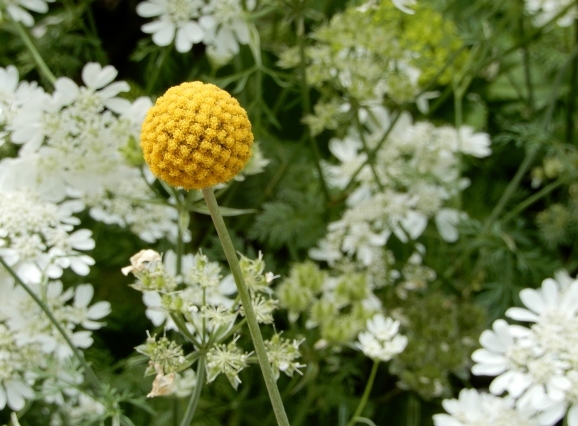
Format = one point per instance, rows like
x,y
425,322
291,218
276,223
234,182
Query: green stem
x,y
196,395
95,383
35,54
531,200
260,350
365,396
306,104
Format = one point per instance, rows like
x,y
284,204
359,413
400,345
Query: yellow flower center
x,y
196,136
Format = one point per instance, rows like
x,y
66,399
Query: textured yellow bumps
x,y
196,136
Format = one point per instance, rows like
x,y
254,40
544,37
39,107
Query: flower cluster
x,y
537,365
416,172
75,143
220,24
36,237
339,306
196,136
197,302
36,362
375,51
381,341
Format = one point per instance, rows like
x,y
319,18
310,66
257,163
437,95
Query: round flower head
x,y
196,136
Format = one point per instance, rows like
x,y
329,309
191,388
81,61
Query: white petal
x,y
83,295
446,221
165,36
550,292
99,310
182,42
572,415
521,314
193,31
2,398
114,89
90,74
65,91
533,300
148,10
118,105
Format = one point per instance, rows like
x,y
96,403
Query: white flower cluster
x,y
544,11
220,24
415,173
536,366
35,360
197,303
381,341
476,409
36,238
72,143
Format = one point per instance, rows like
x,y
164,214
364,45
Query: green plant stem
x,y
306,103
365,396
258,343
93,380
531,200
44,70
196,395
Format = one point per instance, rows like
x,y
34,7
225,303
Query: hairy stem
x,y
256,336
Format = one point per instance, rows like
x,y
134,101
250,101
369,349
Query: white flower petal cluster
x,y
37,238
478,409
537,366
381,341
544,11
282,354
416,173
32,350
220,24
18,9
72,144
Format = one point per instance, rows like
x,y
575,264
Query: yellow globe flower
x,y
196,136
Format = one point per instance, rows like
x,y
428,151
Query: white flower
x,y
226,27
35,239
480,409
15,392
475,144
17,10
381,341
174,17
552,300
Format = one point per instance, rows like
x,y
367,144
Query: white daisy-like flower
x,y
480,409
381,341
550,301
175,18
17,9
226,27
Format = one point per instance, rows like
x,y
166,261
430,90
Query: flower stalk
x,y
365,396
260,351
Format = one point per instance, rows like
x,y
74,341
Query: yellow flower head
x,y
196,136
